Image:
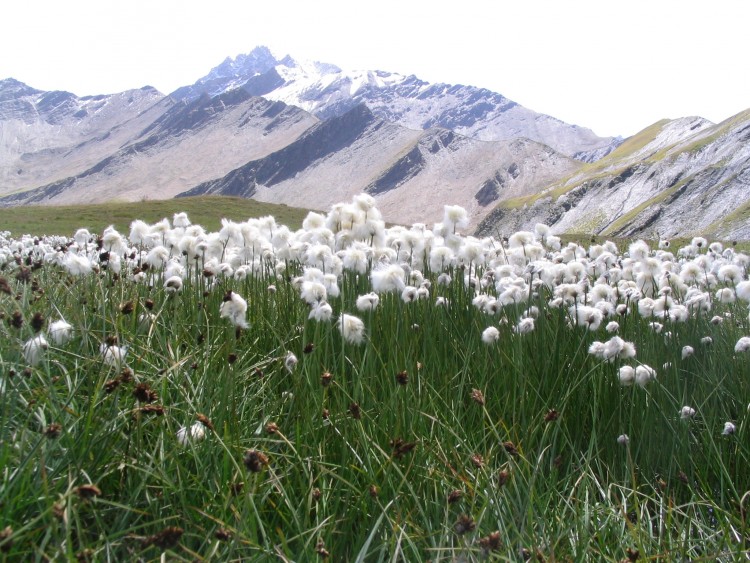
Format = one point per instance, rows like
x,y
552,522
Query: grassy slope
x,y
606,166
206,211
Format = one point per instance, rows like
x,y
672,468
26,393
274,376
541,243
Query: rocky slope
x,y
683,177
412,174
48,136
184,146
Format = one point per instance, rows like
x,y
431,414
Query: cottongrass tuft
x,y
234,308
194,433
490,335
290,362
743,345
687,412
729,429
33,350
352,328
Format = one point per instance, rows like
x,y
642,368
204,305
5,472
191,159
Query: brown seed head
x,y
272,428
222,534
325,414
510,447
37,321
401,448
112,384
231,358
320,549
255,461
308,349
374,491
551,415
205,421
165,539
127,308
464,524
5,286
144,393
491,542
454,496
683,477
126,375
477,396
477,460
158,410
502,477
23,275
16,319
88,491
633,554
402,377
355,411
316,494
53,430
149,304
326,378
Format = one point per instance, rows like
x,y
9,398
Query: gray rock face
x,y
684,177
48,136
412,174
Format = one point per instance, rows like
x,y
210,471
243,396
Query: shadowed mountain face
x,y
684,177
184,145
411,173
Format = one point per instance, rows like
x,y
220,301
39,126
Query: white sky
x,y
612,66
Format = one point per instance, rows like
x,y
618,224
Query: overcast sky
x,y
615,67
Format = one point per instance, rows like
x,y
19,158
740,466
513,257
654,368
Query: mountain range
x,y
311,134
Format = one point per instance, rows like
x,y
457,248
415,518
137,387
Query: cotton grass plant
x,y
358,393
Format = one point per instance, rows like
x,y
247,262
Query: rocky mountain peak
x,y
10,88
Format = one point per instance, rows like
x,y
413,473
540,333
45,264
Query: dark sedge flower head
x,y
455,495
326,378
144,393
490,542
401,448
464,524
510,447
551,415
53,430
127,308
166,539
255,461
37,321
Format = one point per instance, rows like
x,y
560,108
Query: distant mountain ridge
x,y
327,91
310,134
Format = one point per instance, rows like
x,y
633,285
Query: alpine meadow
x,y
352,391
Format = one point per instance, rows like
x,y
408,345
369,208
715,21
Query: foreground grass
x,y
421,443
205,210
